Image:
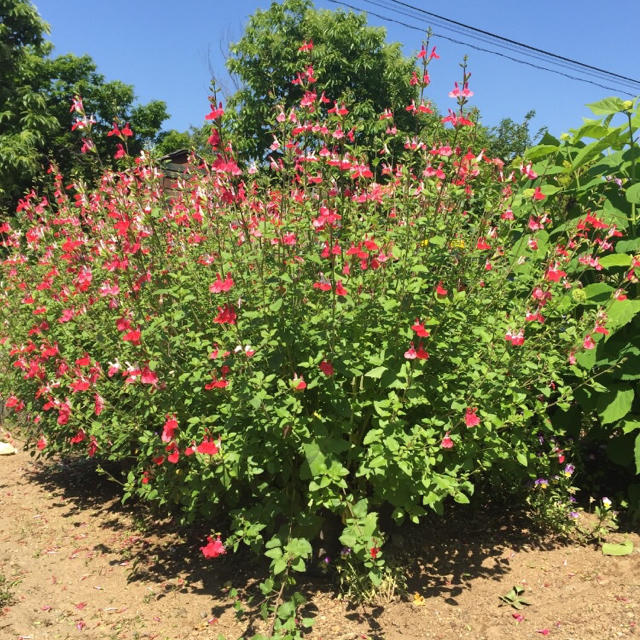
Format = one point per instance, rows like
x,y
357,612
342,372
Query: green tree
x,y
24,120
352,61
510,139
35,94
195,138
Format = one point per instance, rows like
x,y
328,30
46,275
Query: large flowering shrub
x,y
338,332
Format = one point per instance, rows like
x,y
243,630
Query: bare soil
x,y
84,566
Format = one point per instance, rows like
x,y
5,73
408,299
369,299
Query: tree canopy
x,y
352,61
35,93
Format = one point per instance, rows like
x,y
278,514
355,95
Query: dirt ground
x,y
84,566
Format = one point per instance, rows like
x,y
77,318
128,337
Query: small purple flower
x,y
326,560
606,503
574,514
569,469
543,483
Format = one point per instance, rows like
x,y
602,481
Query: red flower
x,y
538,195
298,383
132,336
221,285
411,353
226,315
216,384
418,327
13,401
208,446
374,551
470,417
447,442
215,113
588,342
79,385
340,290
327,368
213,548
440,290
554,274
421,354
42,443
174,453
79,437
85,361
169,428
98,404
92,447
148,377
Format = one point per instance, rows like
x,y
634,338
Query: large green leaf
x,y
598,292
621,312
541,151
315,459
632,245
624,549
636,453
607,106
615,404
593,150
615,260
632,194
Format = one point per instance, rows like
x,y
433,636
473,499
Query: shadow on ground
x,y
438,558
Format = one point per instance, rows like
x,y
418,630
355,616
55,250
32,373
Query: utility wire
x,y
473,46
437,22
515,42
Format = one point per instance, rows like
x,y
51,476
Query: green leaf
x,y
286,610
315,459
598,293
624,549
621,312
631,246
375,373
632,194
374,435
628,426
522,458
636,454
279,566
299,547
541,151
615,260
607,106
614,405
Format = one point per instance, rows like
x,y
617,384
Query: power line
x,y
515,42
473,46
509,47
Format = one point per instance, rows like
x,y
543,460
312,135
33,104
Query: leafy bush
x,y
595,168
294,350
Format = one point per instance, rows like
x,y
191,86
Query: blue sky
x,y
167,49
